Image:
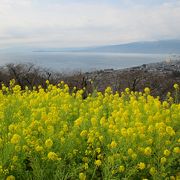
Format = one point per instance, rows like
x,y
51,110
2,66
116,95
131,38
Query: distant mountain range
x,y
152,47
164,46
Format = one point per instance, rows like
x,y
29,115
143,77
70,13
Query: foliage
x,y
54,134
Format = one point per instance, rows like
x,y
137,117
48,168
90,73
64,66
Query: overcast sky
x,y
77,23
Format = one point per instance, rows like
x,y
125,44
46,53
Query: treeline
x,y
31,75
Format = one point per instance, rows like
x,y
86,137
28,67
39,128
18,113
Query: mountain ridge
x,y
171,46
162,46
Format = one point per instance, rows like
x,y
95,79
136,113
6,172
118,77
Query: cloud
x,y
80,23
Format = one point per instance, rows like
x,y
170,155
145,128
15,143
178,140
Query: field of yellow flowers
x,y
52,134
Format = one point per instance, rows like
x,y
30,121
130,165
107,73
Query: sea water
x,y
81,61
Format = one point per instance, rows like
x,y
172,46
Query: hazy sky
x,y
69,23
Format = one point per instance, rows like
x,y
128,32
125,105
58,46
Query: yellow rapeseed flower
x,y
121,168
53,156
86,166
167,152
163,160
15,139
141,165
147,90
176,150
165,104
113,144
98,163
124,132
176,86
147,151
83,133
11,177
152,171
134,156
98,150
170,131
39,148
48,143
127,90
130,151
82,176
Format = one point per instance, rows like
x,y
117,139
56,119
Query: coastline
x,y
160,77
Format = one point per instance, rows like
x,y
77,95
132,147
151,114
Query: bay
x,y
81,61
